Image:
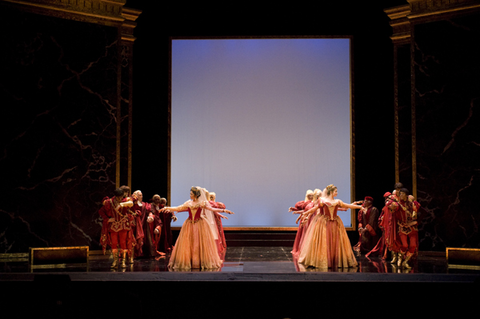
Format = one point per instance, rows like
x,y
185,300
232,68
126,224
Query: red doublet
x,y
163,240
122,217
368,229
140,214
407,225
119,227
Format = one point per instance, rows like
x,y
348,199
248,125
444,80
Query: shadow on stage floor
x,y
254,282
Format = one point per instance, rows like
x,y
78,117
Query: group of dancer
x,y
134,228
399,221
322,241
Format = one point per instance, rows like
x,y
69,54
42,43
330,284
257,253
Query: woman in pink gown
x,y
326,244
310,200
195,246
220,240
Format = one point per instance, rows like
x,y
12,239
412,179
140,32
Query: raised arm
x,y
127,203
217,210
311,210
354,203
220,215
181,208
296,212
314,208
351,206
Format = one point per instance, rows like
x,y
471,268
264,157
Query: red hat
x,y
369,198
387,194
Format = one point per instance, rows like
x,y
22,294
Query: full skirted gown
x,y
221,242
195,246
326,244
302,228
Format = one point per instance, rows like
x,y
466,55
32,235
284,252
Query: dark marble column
x,y
440,120
59,91
447,98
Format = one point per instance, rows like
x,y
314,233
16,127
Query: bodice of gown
x,y
194,213
330,210
194,210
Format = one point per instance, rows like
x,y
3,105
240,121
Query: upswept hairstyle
x,y
330,189
195,191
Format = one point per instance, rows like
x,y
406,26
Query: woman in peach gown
x,y
195,247
326,244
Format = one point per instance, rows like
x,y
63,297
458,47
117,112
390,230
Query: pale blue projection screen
x,y
259,122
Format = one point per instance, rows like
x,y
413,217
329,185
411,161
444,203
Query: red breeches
x,y
409,242
119,239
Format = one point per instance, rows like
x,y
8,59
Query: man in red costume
x,y
387,224
407,226
135,233
163,234
140,212
368,229
116,224
159,227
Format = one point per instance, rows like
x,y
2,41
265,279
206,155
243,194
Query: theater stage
x,y
254,282
244,264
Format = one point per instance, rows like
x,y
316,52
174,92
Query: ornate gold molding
x,y
106,12
427,8
400,23
129,24
402,17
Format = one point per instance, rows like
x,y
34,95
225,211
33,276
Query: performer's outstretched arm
x,y
217,210
181,208
351,206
